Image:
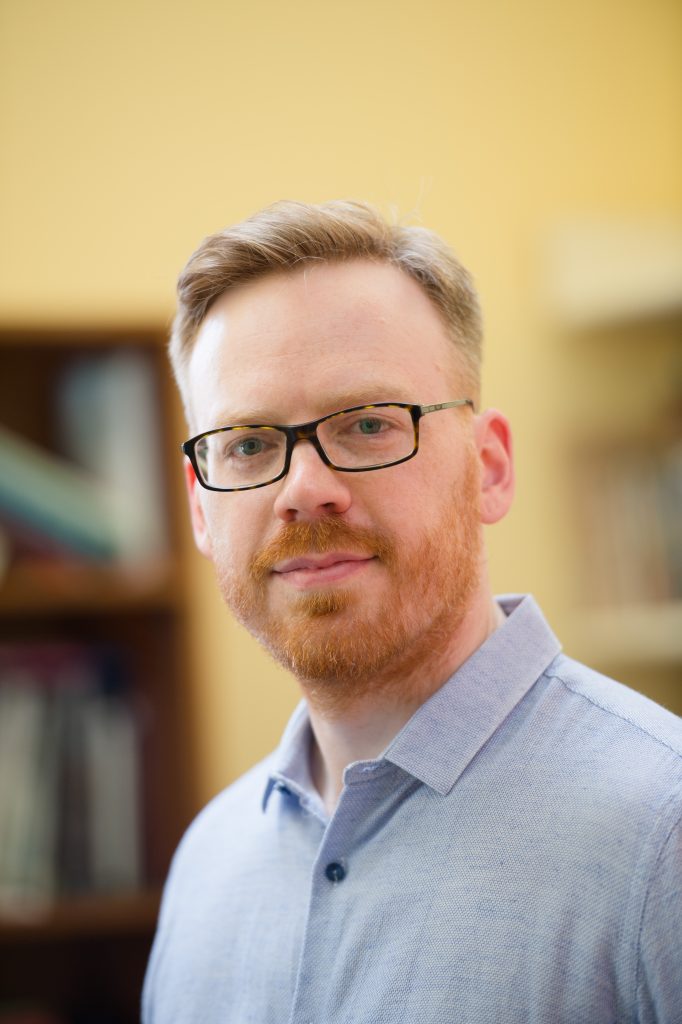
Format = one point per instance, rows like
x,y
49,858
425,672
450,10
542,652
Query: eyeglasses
x,y
357,440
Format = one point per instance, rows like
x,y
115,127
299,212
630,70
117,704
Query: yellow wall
x,y
129,130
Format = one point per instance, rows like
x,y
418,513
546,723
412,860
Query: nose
x,y
311,489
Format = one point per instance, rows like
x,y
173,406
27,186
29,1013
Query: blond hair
x,y
287,235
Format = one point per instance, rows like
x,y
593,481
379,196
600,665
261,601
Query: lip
x,y
319,561
318,570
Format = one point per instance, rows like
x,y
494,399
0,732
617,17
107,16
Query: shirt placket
x,y
333,888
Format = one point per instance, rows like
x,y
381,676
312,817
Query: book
x,y
98,493
630,502
70,775
113,788
28,798
48,495
109,423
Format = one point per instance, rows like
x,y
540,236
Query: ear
x,y
196,511
494,444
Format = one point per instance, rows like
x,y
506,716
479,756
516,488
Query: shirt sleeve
x,y
659,980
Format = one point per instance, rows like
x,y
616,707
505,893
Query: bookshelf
x,y
617,294
75,935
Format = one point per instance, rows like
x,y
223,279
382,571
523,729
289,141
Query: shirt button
x,y
335,872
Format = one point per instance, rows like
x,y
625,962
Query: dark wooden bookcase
x,y
81,958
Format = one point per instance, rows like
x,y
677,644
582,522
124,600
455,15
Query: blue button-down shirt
x,y
515,855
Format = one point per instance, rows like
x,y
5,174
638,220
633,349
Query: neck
x,y
360,731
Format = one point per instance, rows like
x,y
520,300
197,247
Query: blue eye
x,y
370,425
249,446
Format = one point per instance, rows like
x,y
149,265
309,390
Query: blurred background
x,y
542,140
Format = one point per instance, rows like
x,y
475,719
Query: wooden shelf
x,y
82,336
84,956
42,586
83,916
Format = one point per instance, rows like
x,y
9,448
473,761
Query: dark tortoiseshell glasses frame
x,y
308,432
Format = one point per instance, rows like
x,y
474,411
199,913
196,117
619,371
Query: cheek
x,y
235,528
428,490
448,487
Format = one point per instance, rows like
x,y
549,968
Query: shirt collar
x,y
449,729
291,763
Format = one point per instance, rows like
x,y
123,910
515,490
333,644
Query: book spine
x,y
70,776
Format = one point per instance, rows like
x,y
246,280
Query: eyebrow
x,y
365,395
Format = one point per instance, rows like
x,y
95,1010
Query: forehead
x,y
292,346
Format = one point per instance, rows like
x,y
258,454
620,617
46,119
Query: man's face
x,y
344,576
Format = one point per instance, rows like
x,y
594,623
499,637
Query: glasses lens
x,y
368,437
240,456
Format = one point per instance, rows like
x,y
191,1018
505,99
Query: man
x,y
460,823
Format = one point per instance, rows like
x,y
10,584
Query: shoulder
x,y
202,890
244,796
625,754
620,749
617,711
241,801
225,827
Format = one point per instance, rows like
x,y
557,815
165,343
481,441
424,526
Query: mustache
x,y
319,537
